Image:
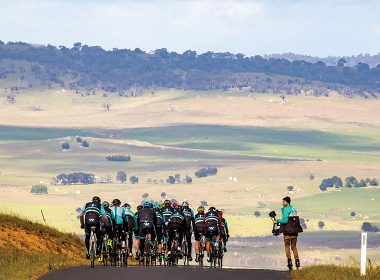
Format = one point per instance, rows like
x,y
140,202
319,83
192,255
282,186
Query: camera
x,y
272,214
275,229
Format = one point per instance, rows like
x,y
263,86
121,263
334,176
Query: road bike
x,y
202,245
106,250
93,246
175,254
216,254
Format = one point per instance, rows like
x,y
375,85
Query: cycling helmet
x,y
175,206
220,212
148,204
96,199
185,204
163,205
157,206
212,208
116,202
167,202
139,207
126,205
106,204
201,209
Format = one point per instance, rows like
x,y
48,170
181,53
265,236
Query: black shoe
x,y
298,264
197,258
224,249
290,264
88,256
190,258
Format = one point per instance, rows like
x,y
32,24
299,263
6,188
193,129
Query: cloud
x,y
314,27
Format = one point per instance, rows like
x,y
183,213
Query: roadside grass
x,y
332,272
29,249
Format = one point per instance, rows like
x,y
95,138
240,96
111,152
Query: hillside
x,y
29,249
126,72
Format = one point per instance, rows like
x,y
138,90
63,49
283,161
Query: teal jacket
x,y
287,211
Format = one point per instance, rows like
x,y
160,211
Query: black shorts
x,y
212,231
145,229
197,233
160,234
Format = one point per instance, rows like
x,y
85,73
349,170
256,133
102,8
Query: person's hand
x,y
82,226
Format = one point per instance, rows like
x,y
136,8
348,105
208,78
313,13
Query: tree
x,y
362,184
353,214
85,144
163,194
145,195
373,183
177,178
257,214
134,179
39,189
149,181
261,204
368,227
65,146
118,158
321,224
171,180
78,139
106,107
188,180
311,177
204,203
121,176
351,182
290,188
11,98
341,62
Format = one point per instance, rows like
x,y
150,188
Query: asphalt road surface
x,y
167,273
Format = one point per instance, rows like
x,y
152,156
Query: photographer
x,y
290,227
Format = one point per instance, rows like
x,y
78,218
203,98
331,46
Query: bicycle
x,y
216,253
93,246
148,257
185,250
106,250
202,245
119,253
175,254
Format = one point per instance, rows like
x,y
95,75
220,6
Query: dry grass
x,y
332,272
28,249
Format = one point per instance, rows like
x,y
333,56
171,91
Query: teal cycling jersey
x,y
119,213
188,213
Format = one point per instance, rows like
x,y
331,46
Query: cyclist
x,y
167,209
90,217
199,229
136,233
160,229
119,221
176,222
225,233
213,222
106,225
190,225
130,226
147,222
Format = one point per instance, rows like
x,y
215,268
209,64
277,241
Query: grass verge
x,y
332,272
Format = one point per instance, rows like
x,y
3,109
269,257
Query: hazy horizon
x,y
315,28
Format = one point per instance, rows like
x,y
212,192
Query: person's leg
x,y
294,247
287,241
189,245
170,238
87,232
130,240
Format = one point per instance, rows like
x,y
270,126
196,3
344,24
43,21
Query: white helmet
x,y
185,204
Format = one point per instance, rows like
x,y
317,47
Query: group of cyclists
x,y
159,223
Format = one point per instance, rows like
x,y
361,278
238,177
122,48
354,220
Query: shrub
x,y
257,214
204,203
311,177
163,194
149,181
290,188
145,195
134,179
373,183
204,172
321,224
75,178
78,139
118,158
85,144
65,146
261,204
121,176
368,227
351,182
353,214
39,189
188,180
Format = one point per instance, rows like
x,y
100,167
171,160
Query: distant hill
x,y
124,71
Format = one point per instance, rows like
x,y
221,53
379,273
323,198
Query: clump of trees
x,y
290,188
74,178
177,179
121,176
204,172
78,139
350,182
368,227
321,224
118,158
257,214
39,189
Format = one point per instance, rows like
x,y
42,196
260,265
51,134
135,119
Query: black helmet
x,y
126,205
167,202
212,208
139,207
96,199
116,201
106,204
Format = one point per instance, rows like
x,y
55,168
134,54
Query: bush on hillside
x,y
134,179
85,144
121,176
118,158
39,189
368,227
75,178
65,146
204,172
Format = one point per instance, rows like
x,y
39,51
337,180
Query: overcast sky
x,y
314,27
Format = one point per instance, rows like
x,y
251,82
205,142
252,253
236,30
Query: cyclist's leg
x,y
87,231
130,240
159,233
170,237
197,238
99,239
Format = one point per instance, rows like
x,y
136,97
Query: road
x,y
167,273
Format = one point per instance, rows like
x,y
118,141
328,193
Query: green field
x,y
266,145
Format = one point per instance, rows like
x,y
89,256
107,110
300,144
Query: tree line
x,y
349,182
118,70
